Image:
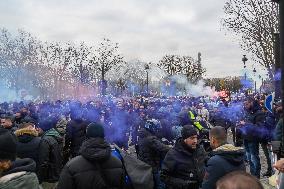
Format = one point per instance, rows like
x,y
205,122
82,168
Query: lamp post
x,y
147,67
244,59
254,71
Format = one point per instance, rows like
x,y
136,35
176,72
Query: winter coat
x,y
20,176
183,167
28,144
279,135
75,135
50,156
12,129
267,128
151,150
223,160
254,122
279,130
94,168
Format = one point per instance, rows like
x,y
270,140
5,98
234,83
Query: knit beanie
x,y
47,123
95,130
188,131
8,145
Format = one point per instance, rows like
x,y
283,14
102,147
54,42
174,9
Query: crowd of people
x,y
184,140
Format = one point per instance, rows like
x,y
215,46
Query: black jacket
x,y
183,167
75,136
28,144
95,168
151,150
254,120
50,156
224,159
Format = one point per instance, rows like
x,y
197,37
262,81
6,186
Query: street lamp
x,y
254,71
147,67
244,59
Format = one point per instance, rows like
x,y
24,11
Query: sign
x,y
269,102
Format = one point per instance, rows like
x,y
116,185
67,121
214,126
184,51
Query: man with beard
x,y
183,166
8,124
224,158
251,132
95,167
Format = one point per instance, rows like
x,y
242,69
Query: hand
x,y
279,165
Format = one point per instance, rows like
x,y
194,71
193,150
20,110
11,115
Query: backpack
x,y
139,173
50,172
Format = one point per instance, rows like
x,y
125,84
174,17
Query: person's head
x,y
18,115
248,103
30,126
189,136
48,123
153,126
217,136
8,149
95,130
238,180
24,111
6,122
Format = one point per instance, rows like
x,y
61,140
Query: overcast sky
x,y
145,29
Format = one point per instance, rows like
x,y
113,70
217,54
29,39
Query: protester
x,y
28,143
95,167
50,153
7,123
75,132
254,119
15,174
151,150
224,158
183,166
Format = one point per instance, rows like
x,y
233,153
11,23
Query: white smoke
x,y
190,89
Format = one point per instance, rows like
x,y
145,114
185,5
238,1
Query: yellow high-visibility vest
x,y
195,123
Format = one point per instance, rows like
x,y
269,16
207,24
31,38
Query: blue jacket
x,y
225,159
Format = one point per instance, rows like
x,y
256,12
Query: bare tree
x,y
254,21
18,57
104,58
185,65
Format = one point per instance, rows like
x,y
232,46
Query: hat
x,y
188,131
95,130
47,123
8,145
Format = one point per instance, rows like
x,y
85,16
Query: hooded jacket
x,y
75,135
28,144
223,160
20,176
50,156
94,168
183,167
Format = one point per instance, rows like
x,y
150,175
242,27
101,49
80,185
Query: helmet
x,y
153,125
